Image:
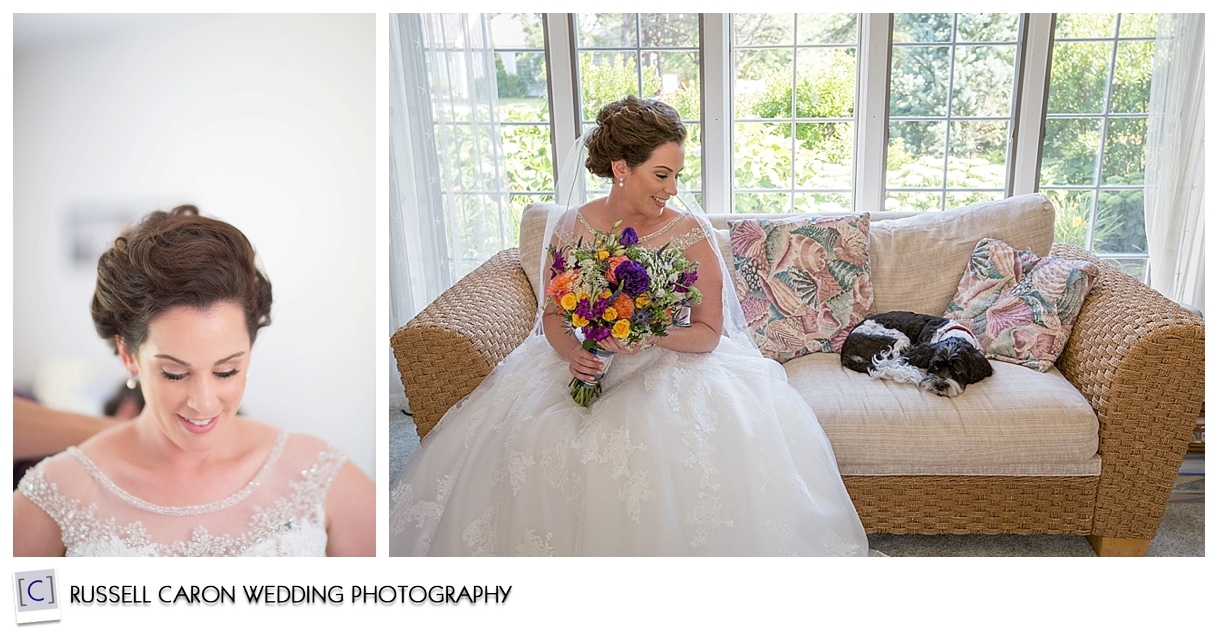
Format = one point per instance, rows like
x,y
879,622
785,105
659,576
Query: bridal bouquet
x,y
614,287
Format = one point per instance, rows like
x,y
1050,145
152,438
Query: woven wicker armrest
x,y
1138,359
446,350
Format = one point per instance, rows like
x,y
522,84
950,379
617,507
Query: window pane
x,y
1073,215
1120,223
1139,24
1125,151
985,79
958,199
679,80
666,30
1131,77
979,154
606,30
922,27
763,29
1083,25
526,150
828,28
913,201
767,203
763,80
824,154
1070,151
826,78
915,154
1079,77
521,79
919,80
763,155
987,27
605,77
822,202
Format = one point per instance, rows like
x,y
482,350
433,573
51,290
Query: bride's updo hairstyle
x,y
176,259
630,129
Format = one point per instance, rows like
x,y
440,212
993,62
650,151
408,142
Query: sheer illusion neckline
x,y
198,509
642,239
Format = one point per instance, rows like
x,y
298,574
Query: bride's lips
x,y
198,426
659,202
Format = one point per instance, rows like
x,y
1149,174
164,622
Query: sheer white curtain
x,y
1175,160
447,207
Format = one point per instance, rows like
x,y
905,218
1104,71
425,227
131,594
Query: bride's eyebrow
x,y
187,364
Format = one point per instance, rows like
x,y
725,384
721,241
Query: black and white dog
x,y
940,355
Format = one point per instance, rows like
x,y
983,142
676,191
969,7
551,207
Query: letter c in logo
x,y
30,593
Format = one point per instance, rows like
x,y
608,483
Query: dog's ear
x,y
977,367
920,355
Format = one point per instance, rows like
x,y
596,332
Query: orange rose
x,y
613,262
561,284
624,306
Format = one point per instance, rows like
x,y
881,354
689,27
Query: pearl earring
x,y
621,182
133,382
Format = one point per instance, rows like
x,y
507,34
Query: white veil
x,y
561,220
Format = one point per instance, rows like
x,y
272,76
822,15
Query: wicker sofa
x,y
1092,447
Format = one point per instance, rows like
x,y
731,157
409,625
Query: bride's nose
x,y
203,398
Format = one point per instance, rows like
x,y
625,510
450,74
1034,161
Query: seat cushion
x,y
1019,422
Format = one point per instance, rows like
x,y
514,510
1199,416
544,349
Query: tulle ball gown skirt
x,y
682,454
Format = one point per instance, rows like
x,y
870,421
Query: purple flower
x,y
597,333
584,309
559,265
632,278
629,237
687,280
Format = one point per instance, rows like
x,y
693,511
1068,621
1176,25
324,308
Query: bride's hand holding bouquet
x,y
615,293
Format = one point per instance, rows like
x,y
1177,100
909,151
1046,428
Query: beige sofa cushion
x,y
917,262
1018,422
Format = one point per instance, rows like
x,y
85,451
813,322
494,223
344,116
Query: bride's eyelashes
x,y
180,376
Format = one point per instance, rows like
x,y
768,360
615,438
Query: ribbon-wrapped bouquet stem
x,y
615,287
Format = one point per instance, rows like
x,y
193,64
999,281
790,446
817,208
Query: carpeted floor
x,y
1181,534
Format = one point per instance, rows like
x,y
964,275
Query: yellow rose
x,y
578,321
621,329
605,293
568,301
642,301
583,295
602,254
610,314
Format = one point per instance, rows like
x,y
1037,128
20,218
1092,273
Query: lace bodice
x,y
681,232
280,512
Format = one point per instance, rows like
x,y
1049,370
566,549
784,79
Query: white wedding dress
x,y
280,512
681,454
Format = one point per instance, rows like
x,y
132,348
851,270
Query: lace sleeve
x,y
45,495
688,239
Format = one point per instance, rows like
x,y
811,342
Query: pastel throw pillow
x,y
1020,306
803,283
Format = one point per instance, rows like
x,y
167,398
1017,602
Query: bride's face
x,y
192,369
649,185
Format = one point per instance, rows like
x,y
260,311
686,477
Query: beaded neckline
x,y
642,239
199,509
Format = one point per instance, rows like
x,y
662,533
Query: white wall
x,y
264,121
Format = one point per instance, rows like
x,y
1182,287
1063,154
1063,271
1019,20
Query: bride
x,y
180,300
695,446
